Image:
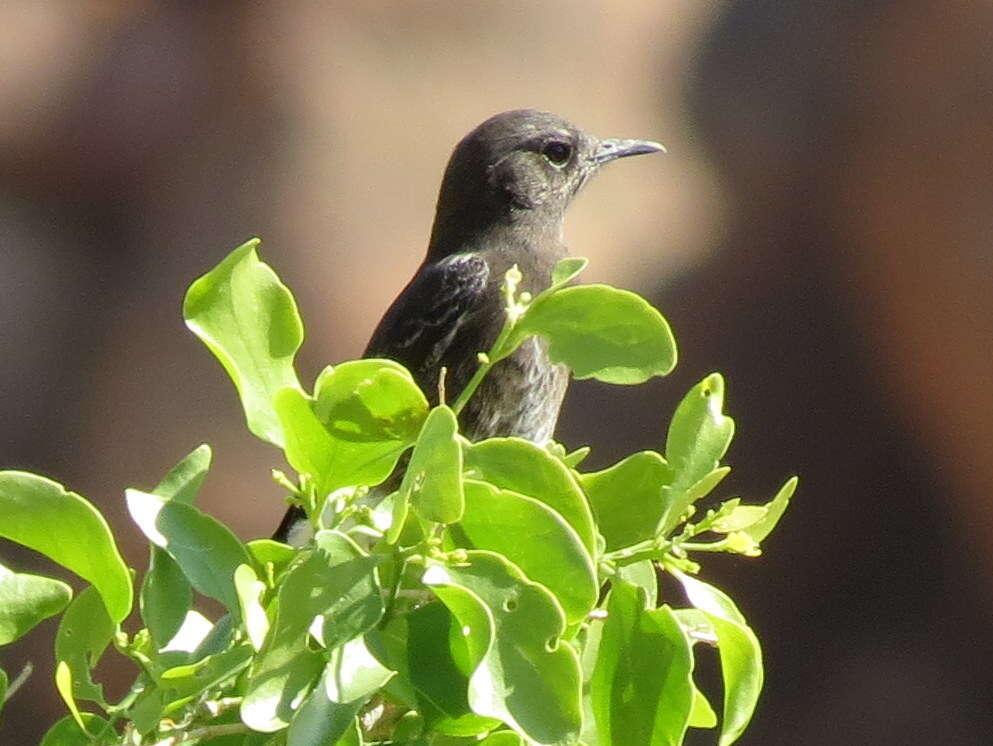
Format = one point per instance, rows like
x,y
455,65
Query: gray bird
x,y
502,201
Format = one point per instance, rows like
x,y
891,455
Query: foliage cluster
x,y
502,595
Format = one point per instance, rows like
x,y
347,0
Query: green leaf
x,y
566,270
432,482
358,604
248,319
552,554
64,685
599,332
42,515
270,551
320,721
702,715
642,687
206,550
627,498
643,575
165,597
26,600
333,581
699,436
334,462
741,655
356,673
774,511
440,685
184,480
502,738
739,518
84,633
186,681
526,675
521,466
67,732
370,400
250,591
4,683
166,594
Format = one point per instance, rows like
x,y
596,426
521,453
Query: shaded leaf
x,y
270,551
441,686
321,722
526,675
166,594
206,550
333,582
67,732
186,681
642,687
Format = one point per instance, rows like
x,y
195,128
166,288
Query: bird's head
x,y
519,167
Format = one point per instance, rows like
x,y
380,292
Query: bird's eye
x,y
557,152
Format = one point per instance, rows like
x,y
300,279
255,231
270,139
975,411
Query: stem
x,y
716,546
486,363
514,309
19,681
207,731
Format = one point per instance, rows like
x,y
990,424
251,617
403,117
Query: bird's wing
x,y
419,328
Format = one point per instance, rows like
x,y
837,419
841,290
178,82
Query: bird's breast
x,y
521,397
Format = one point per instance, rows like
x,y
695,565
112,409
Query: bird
x,y
502,201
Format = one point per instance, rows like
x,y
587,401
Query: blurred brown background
x,y
821,232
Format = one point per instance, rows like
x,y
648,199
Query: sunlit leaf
x,y
566,270
432,483
741,655
553,555
247,317
627,497
334,583
600,332
774,511
85,631
527,469
250,591
699,436
26,600
44,516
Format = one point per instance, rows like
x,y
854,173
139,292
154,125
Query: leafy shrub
x,y
501,595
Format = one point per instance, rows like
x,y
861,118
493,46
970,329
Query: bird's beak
x,y
608,150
